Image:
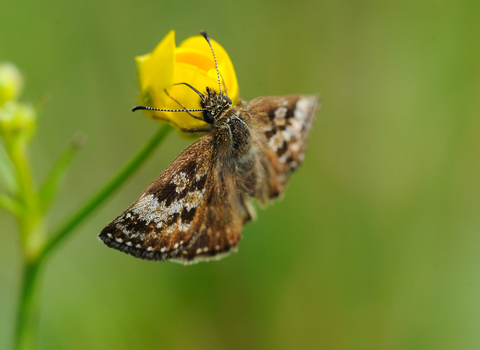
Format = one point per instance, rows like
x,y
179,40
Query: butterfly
x,y
196,208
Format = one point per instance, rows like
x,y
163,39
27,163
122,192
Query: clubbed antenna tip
x,y
136,108
205,35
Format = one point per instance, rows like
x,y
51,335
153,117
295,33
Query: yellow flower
x,y
192,62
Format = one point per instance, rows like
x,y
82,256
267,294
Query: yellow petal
x,y
156,71
199,44
195,57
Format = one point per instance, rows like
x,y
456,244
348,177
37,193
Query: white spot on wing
x,y
181,180
281,112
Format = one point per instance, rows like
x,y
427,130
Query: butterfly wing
x,y
283,124
191,212
225,215
167,216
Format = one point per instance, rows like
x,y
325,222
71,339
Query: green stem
x,y
64,230
27,313
29,219
30,225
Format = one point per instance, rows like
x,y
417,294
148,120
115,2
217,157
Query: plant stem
x,y
30,221
27,313
30,225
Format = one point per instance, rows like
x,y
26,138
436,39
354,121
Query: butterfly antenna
x,y
204,33
224,86
164,110
191,87
186,109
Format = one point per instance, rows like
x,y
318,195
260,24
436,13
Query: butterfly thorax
x,y
232,134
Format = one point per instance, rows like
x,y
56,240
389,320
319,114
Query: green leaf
x,y
10,204
57,172
7,172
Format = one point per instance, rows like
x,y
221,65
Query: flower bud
x,y
17,121
11,82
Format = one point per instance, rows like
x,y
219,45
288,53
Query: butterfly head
x,y
213,104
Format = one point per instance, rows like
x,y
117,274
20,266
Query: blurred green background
x,y
376,244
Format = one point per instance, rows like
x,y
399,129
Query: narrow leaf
x,y
10,204
57,172
7,172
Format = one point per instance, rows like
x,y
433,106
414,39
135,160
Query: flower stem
x,y
30,221
27,313
32,236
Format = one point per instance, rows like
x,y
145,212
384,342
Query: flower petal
x,y
156,71
195,57
199,44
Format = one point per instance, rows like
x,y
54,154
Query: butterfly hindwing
x,y
284,123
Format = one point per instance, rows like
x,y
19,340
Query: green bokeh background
x,y
376,244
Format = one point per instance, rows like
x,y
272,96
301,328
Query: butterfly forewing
x,y
224,218
167,216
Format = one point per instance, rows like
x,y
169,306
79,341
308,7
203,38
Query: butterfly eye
x,y
208,117
227,99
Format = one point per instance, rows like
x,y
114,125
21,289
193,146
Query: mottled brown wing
x,y
191,212
167,216
283,123
226,213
